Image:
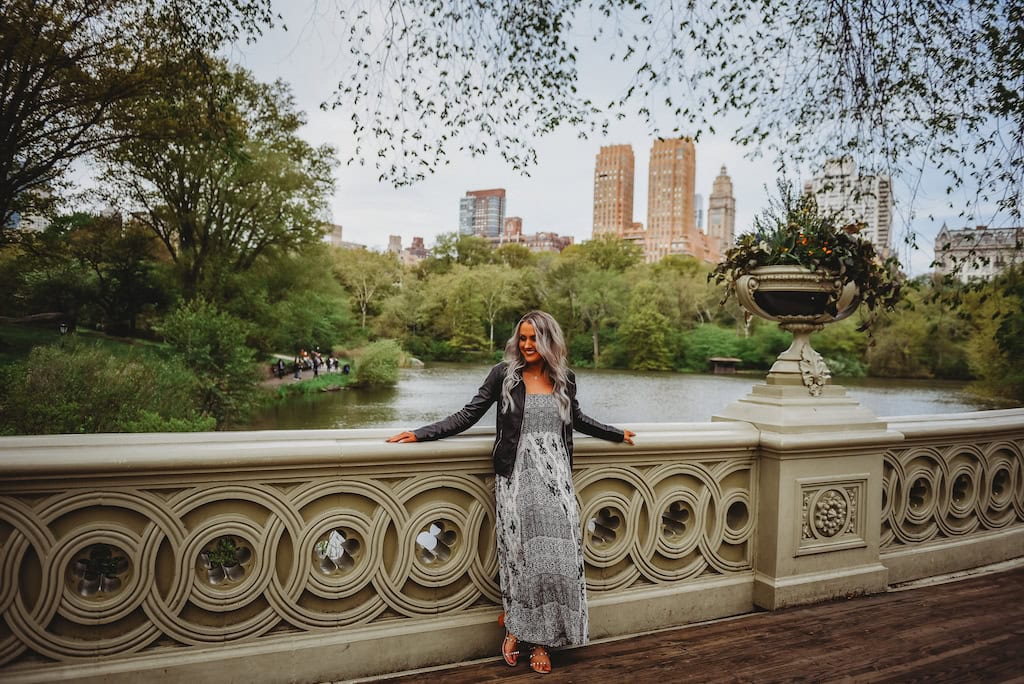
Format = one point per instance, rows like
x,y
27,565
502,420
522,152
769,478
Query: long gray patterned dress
x,y
538,528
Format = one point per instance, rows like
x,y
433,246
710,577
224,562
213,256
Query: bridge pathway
x,y
970,630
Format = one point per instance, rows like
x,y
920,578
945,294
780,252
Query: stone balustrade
x,y
953,493
181,554
321,555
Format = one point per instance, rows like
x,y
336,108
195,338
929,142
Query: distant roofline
x,y
492,192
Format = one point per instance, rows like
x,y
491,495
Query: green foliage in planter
x,y
792,231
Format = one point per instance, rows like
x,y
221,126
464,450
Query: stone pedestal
x,y
819,496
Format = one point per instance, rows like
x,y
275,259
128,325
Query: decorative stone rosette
x,y
831,515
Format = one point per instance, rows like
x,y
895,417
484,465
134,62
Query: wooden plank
x,y
966,631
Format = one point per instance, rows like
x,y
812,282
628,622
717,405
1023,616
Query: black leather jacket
x,y
510,423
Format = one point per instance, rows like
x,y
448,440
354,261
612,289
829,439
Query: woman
x,y
540,552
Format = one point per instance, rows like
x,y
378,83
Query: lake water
x,y
428,394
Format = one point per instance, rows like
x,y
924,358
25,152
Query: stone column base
x,y
773,593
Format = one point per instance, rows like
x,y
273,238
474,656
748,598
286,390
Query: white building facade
x,y
977,253
866,199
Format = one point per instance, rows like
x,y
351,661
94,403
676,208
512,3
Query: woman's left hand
x,y
628,436
402,437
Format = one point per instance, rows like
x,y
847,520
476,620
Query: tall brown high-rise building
x,y
613,190
721,215
671,225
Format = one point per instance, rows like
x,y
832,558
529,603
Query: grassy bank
x,y
326,382
17,341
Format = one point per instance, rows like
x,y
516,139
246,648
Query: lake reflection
x,y
427,394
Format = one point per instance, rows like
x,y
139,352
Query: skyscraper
x,y
613,190
482,212
671,225
698,210
721,215
858,198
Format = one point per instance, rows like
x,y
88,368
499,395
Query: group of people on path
x,y
313,361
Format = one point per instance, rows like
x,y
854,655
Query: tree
x,y
121,258
220,176
903,86
705,341
644,335
65,65
211,344
683,282
995,345
453,248
368,276
47,277
498,288
610,253
292,301
455,310
515,255
602,295
563,283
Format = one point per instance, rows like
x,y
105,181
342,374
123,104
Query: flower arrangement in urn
x,y
794,232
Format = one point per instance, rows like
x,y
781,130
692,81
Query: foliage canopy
x,y
902,86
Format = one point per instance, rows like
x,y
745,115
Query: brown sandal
x,y
537,663
510,650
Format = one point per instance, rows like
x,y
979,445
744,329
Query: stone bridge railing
x,y
320,555
953,493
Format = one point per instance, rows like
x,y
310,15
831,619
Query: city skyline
x,y
558,195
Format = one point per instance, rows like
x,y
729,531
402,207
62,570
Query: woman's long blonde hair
x,y
551,346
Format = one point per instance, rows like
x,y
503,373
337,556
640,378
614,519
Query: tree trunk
x,y
597,353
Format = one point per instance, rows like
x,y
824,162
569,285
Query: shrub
x,y
644,335
84,389
846,367
378,364
211,344
763,346
706,341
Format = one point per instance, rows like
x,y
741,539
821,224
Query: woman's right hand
x,y
402,437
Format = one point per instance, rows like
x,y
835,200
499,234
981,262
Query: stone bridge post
x,y
820,480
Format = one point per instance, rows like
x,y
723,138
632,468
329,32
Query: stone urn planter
x,y
801,301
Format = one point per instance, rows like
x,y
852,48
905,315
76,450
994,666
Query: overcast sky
x,y
558,194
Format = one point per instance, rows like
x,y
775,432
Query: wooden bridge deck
x,y
971,630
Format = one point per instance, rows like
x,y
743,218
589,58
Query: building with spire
x,y
721,215
613,190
